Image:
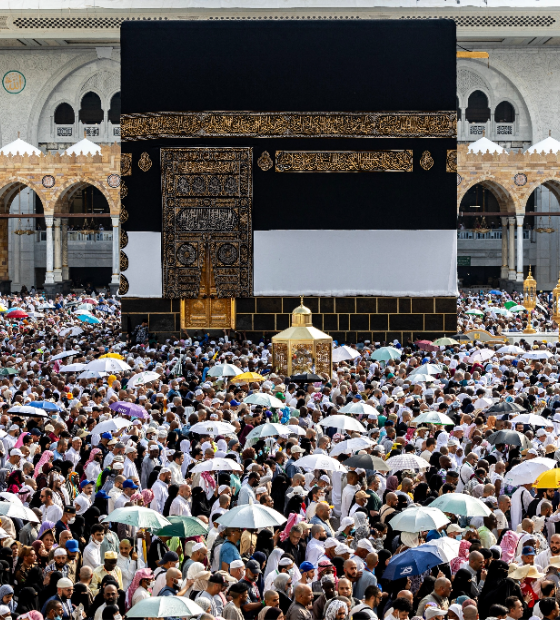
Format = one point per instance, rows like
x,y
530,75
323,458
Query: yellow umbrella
x,y
248,377
3,308
549,480
115,355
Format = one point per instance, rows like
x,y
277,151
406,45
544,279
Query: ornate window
x,y
504,113
115,109
477,108
64,114
91,112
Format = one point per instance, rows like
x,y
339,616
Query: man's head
x,y
60,557
476,560
345,587
549,608
110,560
402,608
172,578
442,587
215,584
555,544
514,606
303,595
53,610
97,533
110,593
351,570
237,569
252,570
271,598
64,588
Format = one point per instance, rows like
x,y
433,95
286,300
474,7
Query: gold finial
x,y
301,299
529,269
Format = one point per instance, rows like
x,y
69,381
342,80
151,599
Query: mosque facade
x,y
60,71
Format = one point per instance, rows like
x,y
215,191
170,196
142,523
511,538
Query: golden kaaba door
x,y
208,313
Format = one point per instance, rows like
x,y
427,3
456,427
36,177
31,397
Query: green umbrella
x,y
510,304
9,371
474,312
165,607
434,417
138,516
385,354
461,504
183,527
444,342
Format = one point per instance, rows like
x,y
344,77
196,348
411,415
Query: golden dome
x,y
301,315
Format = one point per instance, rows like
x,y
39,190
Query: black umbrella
x,y
505,407
367,461
306,378
460,337
511,438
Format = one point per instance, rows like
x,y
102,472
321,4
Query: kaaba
x,y
264,160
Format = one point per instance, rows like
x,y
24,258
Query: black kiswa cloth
x,y
299,66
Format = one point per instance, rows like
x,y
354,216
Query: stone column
x,y
57,252
520,219
49,276
16,255
115,278
511,254
504,272
65,268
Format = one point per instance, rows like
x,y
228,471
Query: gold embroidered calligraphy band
x,y
344,161
151,126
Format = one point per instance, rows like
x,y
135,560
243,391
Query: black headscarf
x,y
463,585
91,516
80,595
265,542
34,579
6,571
50,590
497,587
173,491
28,600
200,504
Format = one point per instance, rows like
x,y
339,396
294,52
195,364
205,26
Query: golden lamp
x,y
529,300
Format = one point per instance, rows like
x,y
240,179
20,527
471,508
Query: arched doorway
x,y
19,237
483,235
86,242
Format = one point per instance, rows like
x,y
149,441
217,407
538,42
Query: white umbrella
x,y
18,511
137,516
270,429
72,368
108,364
422,378
217,464
482,355
528,471
343,353
533,419
461,504
483,403
349,446
64,354
87,307
319,461
296,430
92,374
265,400
511,349
359,408
407,461
434,417
142,378
27,409
448,547
419,519
11,497
537,355
252,516
212,428
224,370
428,369
111,426
165,607
70,331
343,423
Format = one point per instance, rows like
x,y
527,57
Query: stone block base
x,y
346,319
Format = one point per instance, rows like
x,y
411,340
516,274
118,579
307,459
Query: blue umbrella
x,y
45,405
86,318
496,293
412,562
